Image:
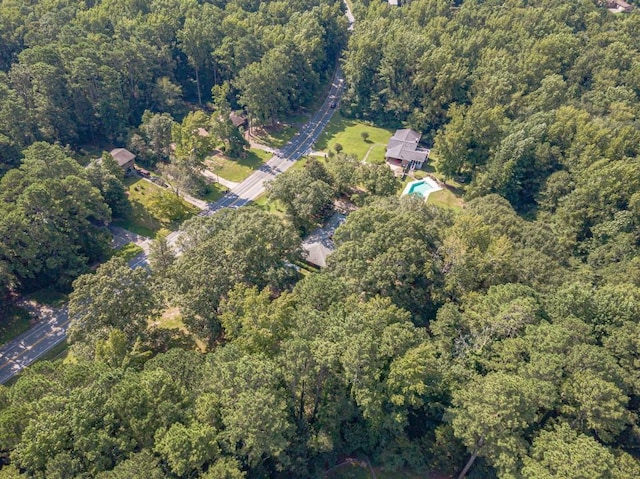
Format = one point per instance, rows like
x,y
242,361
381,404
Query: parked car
x,y
333,104
144,173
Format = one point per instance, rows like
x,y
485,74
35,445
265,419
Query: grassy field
x,y
278,136
216,191
238,169
171,319
153,208
349,134
446,199
262,202
375,154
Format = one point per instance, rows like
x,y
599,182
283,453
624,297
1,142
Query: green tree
x,y
233,246
491,415
564,452
306,199
187,449
161,256
115,297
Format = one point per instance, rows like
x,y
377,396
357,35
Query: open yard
x,y
153,208
178,334
446,199
216,191
348,133
240,168
276,136
262,202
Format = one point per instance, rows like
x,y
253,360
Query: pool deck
x,y
432,183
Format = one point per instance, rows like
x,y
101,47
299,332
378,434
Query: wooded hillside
x,y
502,341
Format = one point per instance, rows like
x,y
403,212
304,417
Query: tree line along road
x,y
51,331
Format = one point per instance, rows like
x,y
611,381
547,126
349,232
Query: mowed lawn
x,y
348,133
446,199
276,137
153,208
238,169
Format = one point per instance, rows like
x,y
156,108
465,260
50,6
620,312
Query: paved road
x,y
283,159
29,346
52,329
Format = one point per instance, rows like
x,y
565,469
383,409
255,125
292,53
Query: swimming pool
x,y
421,188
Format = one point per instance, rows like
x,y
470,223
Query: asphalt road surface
x,y
52,329
31,345
281,161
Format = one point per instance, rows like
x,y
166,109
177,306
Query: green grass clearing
x,y
299,164
172,319
216,191
446,199
153,208
376,155
275,137
349,134
240,168
127,252
262,202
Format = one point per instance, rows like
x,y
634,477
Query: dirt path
x,y
366,155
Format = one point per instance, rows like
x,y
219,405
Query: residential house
x,y
403,150
238,120
319,244
124,158
618,6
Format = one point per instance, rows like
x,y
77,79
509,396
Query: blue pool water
x,y
421,187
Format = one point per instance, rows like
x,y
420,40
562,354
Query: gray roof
x,y
122,156
404,146
407,135
236,119
318,245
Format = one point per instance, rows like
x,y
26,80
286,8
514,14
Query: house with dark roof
x,y
403,150
237,120
124,158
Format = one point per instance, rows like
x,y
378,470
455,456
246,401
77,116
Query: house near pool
x,y
403,150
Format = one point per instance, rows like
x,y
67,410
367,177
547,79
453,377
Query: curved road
x,y
52,329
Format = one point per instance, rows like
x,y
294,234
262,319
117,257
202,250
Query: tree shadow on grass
x,y
335,126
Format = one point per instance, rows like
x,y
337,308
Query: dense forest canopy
x,y
78,73
502,340
520,97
